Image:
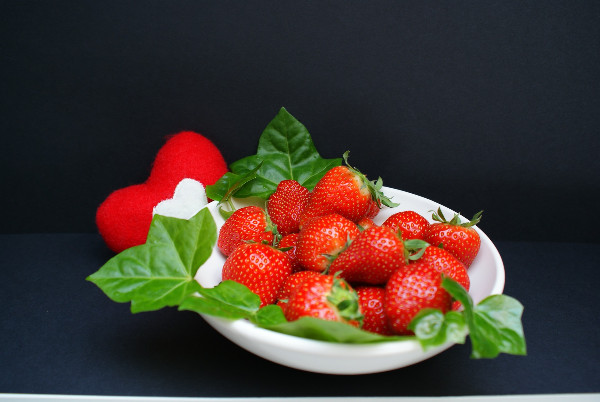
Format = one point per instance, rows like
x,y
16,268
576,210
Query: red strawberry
x,y
291,284
461,239
443,261
321,239
371,258
245,224
326,297
288,245
345,191
286,204
410,289
260,267
372,306
365,223
412,225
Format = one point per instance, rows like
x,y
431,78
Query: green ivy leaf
x,y
232,301
229,299
161,272
229,184
286,151
269,315
494,324
499,329
432,328
330,331
223,186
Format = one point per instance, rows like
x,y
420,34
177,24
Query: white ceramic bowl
x,y
486,275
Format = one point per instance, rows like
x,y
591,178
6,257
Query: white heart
x,y
189,198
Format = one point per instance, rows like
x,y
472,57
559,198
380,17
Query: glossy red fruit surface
x,y
322,239
411,224
443,261
286,205
371,258
411,289
245,224
345,191
325,297
340,191
366,223
372,306
291,284
262,268
287,244
461,239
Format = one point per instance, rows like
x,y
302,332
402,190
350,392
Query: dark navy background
x,y
476,105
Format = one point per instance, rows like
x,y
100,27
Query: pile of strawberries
x,y
320,254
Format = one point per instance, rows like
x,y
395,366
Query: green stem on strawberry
x,y
414,249
345,300
374,186
331,257
460,239
272,227
438,216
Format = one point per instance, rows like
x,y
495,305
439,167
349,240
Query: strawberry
x,y
287,244
372,306
412,224
365,223
371,258
443,261
345,191
410,289
286,204
446,263
261,267
461,239
326,297
291,284
322,238
245,224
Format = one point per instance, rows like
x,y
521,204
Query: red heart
x,y
124,218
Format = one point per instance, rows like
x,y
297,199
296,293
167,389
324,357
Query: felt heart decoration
x,y
188,199
124,218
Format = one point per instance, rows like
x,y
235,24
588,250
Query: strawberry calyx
x,y
374,186
414,249
271,227
345,300
331,257
438,216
